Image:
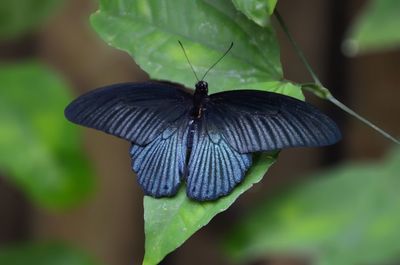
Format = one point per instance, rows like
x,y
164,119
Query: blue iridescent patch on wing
x,y
160,164
215,168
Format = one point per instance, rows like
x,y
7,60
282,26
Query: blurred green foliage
x,y
43,254
348,216
376,28
18,17
39,150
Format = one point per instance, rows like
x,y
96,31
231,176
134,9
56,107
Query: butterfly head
x,y
202,87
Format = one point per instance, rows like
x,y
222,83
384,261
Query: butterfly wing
x,y
253,121
160,164
138,112
214,168
154,117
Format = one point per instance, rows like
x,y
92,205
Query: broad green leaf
x,y
257,10
170,221
347,216
43,254
39,149
376,28
149,31
17,17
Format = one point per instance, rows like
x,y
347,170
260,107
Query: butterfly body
x,y
200,98
203,140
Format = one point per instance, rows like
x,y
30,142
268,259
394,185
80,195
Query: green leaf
x,y
170,221
286,88
376,28
39,149
257,10
17,17
346,216
43,254
149,31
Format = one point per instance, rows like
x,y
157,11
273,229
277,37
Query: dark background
x,y
110,224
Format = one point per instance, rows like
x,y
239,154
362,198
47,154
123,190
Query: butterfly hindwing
x,y
214,168
253,121
160,164
137,112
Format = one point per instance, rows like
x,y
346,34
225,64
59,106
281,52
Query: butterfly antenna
x,y
187,58
212,66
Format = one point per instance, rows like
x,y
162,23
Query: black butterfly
x,y
205,140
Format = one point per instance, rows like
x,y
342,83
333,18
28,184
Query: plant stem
x,y
322,92
361,118
297,48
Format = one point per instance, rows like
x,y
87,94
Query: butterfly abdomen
x,y
191,131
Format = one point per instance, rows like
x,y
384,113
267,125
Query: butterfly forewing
x,y
254,121
135,112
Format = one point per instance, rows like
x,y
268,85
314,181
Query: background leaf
x,y
257,10
149,31
39,149
18,17
43,254
346,216
376,28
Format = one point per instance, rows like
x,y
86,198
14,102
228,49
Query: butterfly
x,y
204,140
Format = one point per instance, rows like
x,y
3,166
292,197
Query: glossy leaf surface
x,y
149,31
